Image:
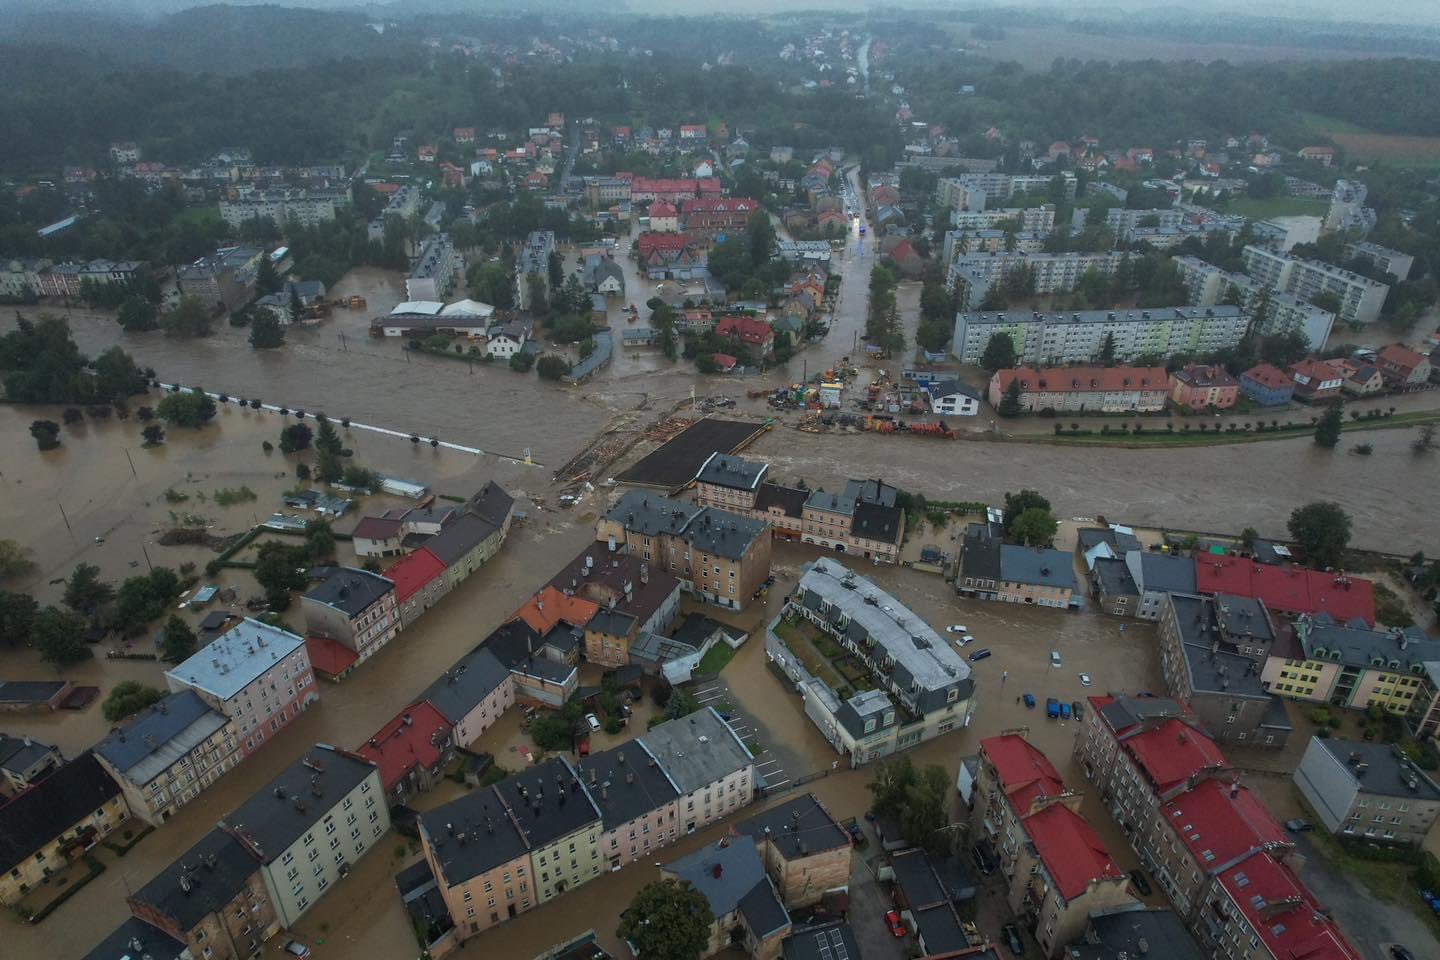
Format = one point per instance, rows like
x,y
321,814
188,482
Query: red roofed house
x,y
1078,389
1288,589
427,152
717,215
464,135
755,334
723,362
1261,897
664,218
674,191
1316,380
420,582
384,189
451,175
1403,368
1058,870
550,607
904,256
412,750
667,255
708,186
1267,385
379,536
535,180
1199,386
1321,155
330,658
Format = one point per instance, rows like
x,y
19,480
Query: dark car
x,y
1398,952
1012,937
1141,882
979,655
984,858
1299,825
1077,708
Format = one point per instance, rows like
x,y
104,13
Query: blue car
x,y
1030,701
1064,711
1052,708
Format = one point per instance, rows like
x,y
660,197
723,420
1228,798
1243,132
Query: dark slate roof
x,y
216,868
731,876
1125,711
348,589
799,828
548,802
597,575
737,473
948,388
876,522
54,805
625,782
1167,573
462,688
871,491
1212,671
763,911
1036,565
29,691
705,529
916,880
1113,577
275,822
516,645
790,500
137,940
21,753
1361,646
1119,936
981,559
458,537
1123,543
493,503
940,928
472,835
695,629
155,739
1389,772
823,941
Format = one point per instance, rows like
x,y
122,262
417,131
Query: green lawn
x,y
200,216
1320,123
715,660
1277,207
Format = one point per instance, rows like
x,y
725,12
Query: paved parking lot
x,y
769,760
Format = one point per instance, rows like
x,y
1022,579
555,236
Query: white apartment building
x,y
308,207
708,764
433,275
1393,262
1123,222
1284,312
972,275
1051,339
1360,297
1039,219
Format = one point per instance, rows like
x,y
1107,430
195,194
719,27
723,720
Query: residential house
x,y
134,935
721,557
472,694
921,686
1359,788
542,668
1156,576
379,536
953,398
730,483
664,217
53,822
308,826
1204,387
718,215
1203,660
756,335
1321,659
742,899
562,827
1010,573
1361,379
354,607
420,582
783,508
432,276
211,899
1114,587
1288,589
24,761
806,852
1403,368
226,278
1080,389
638,803
670,256
168,754
257,675
710,766
604,276
861,519
1267,385
480,860
630,598
411,750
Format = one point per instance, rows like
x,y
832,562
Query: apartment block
x,y
1393,262
354,607
1273,311
638,801
972,275
1080,389
257,675
1360,297
1039,219
730,483
708,763
306,207
1370,790
432,275
806,852
1060,338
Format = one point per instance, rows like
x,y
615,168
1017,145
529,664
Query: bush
x,y
522,362
552,367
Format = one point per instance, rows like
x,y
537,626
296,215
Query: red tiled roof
x,y
329,657
1299,932
411,573
1315,369
1081,379
1072,852
385,187
1218,822
718,204
400,746
1268,375
376,528
660,208
650,241
1288,589
707,185
724,361
745,329
646,185
1401,357
549,607
1203,375
1171,752
1024,772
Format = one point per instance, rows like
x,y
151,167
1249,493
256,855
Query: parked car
x,y
1299,825
957,628
1052,708
1141,882
1055,658
979,655
295,948
964,640
892,920
1398,952
1012,939
592,721
984,857
1077,708
1084,679
1064,711
1030,700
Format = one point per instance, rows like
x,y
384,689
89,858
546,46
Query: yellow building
x,y
1353,666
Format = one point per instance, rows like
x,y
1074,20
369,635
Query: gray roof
x,y
29,691
948,388
201,881
472,835
1389,772
705,529
1112,577
800,827
695,629
19,754
875,521
919,653
1122,542
350,590
790,500
466,684
137,940
871,491
823,941
1215,670
731,877
916,879
548,802
155,739
1362,647
460,536
1243,618
939,927
53,806
1166,573
981,559
737,473
1126,712
1126,934
1040,566
493,503
697,750
842,503
293,803
517,645
626,783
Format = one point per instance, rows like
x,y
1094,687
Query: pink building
x,y
256,675
1199,387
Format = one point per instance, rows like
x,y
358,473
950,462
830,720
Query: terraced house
x,y
354,607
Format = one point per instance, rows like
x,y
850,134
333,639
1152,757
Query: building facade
x,y
1360,297
1060,338
1079,389
353,607
1359,788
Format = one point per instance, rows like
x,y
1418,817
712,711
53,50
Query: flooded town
x,y
560,515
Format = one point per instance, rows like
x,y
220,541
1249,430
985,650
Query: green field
x,y
1277,207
